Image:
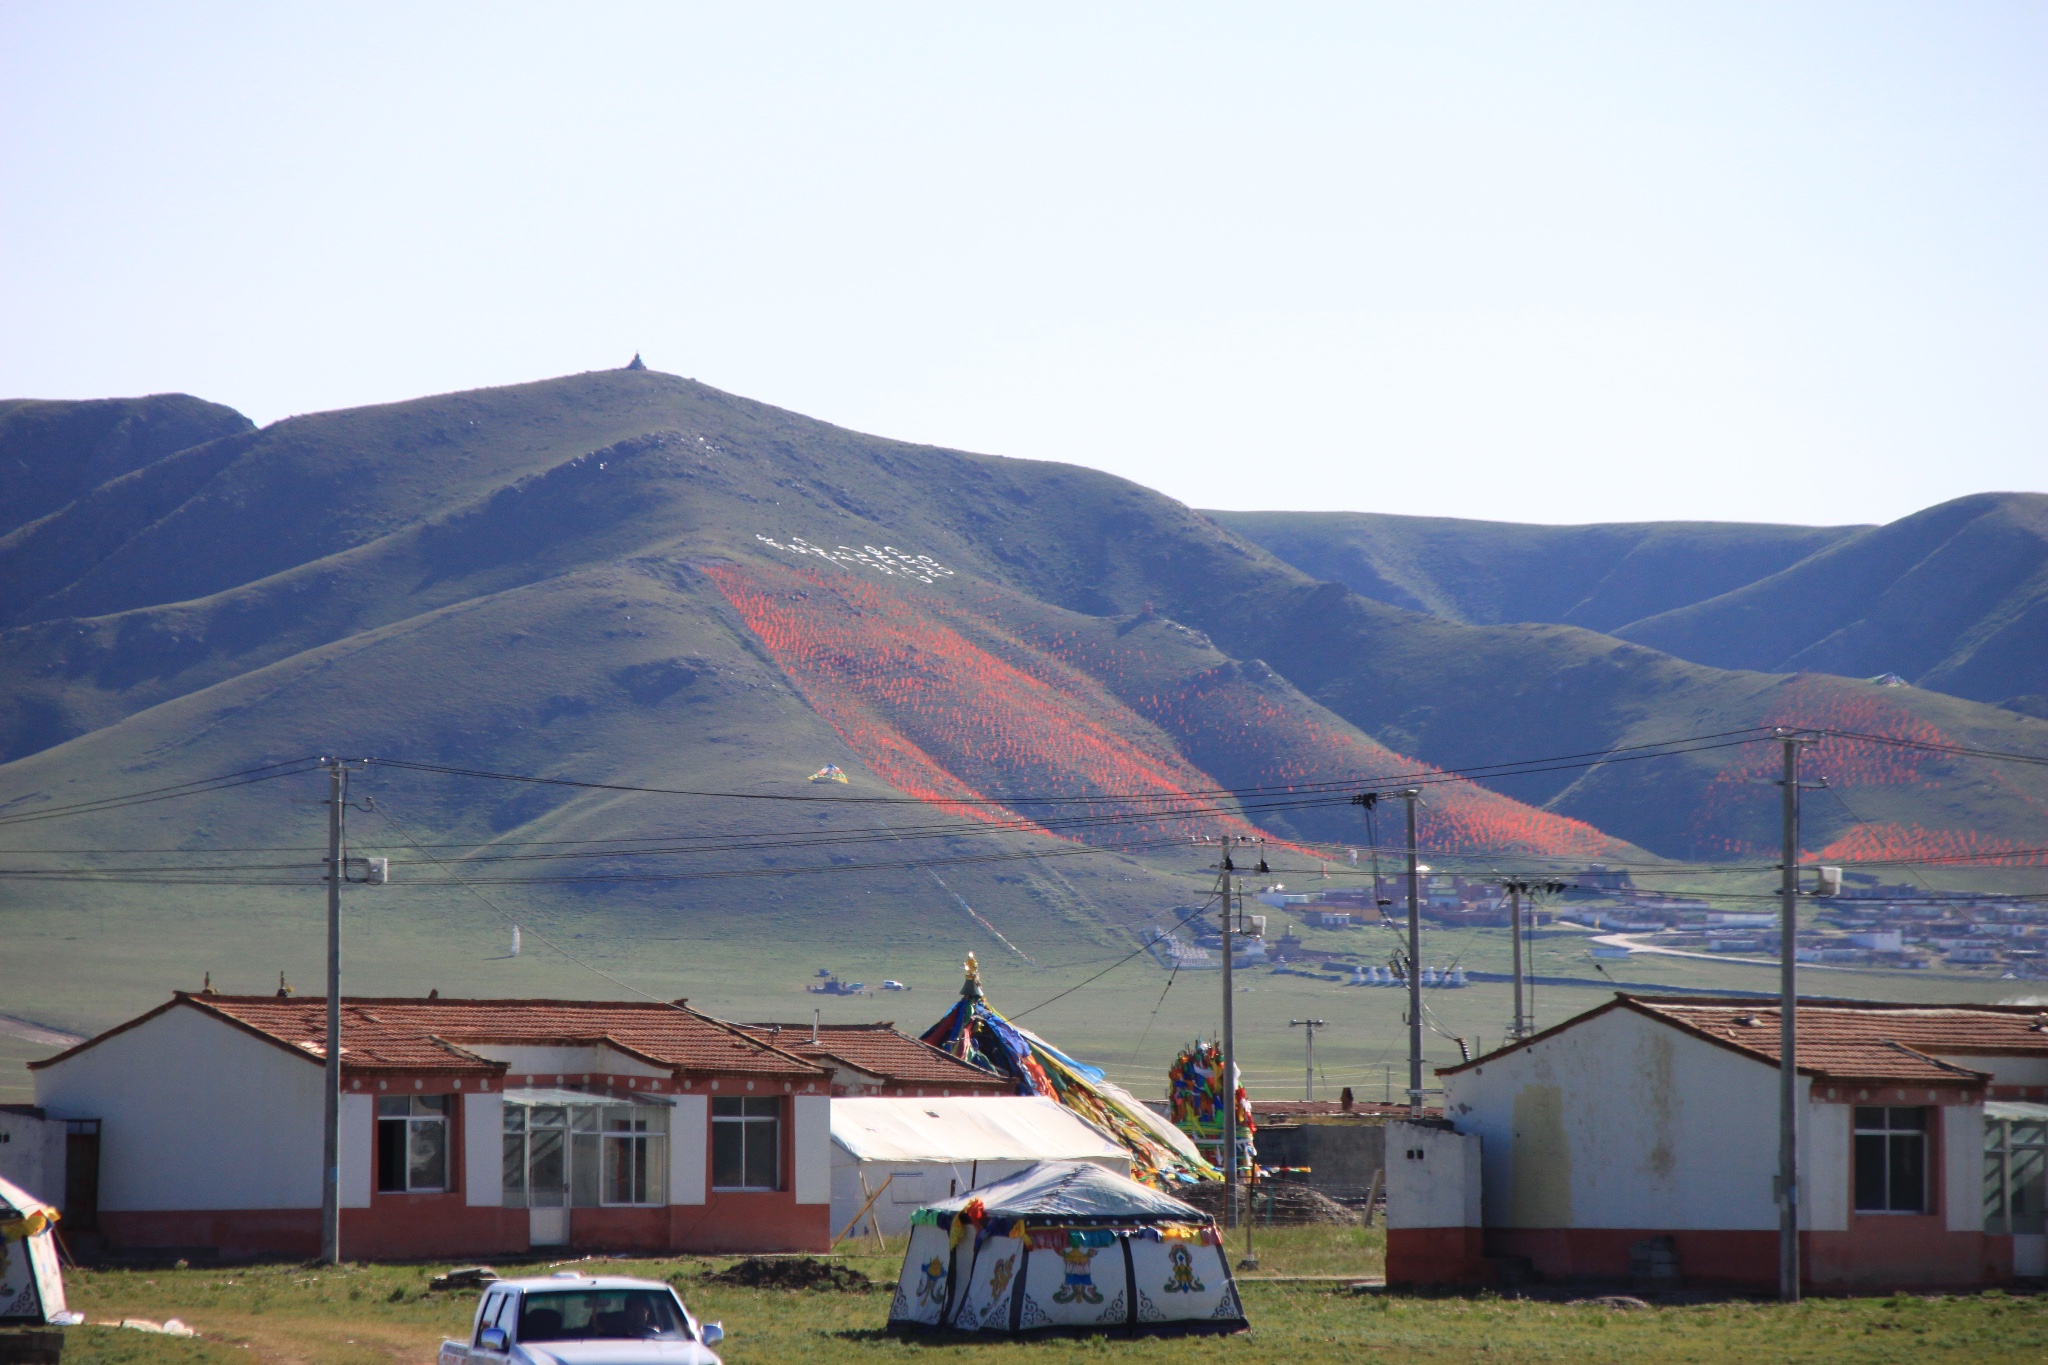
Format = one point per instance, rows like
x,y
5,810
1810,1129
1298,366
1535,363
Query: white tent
x,y
31,1287
1065,1246
928,1149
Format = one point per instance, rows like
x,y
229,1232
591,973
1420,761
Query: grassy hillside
x,y
51,453
1487,572
632,580
1954,598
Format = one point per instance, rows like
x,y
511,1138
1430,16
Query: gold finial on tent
x,y
970,989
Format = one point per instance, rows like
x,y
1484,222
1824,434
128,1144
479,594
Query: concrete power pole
x,y
330,1128
1788,1028
1414,964
1308,1091
1229,1056
1514,890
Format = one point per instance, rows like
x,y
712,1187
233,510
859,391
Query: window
x,y
1891,1160
2015,1174
585,1155
746,1144
573,1315
412,1143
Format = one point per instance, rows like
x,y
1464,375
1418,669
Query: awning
x,y
986,1128
2016,1109
556,1098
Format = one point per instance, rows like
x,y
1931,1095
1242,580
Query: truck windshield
x,y
580,1314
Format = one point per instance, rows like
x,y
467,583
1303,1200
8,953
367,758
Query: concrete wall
x,y
32,1154
811,1150
2005,1070
483,1150
1622,1122
1433,1177
689,1149
196,1115
1341,1156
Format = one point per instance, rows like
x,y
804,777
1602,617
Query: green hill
x,y
632,580
1954,598
53,452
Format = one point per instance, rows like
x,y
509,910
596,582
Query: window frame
x,y
1892,1133
1999,1151
587,1142
420,1112
743,1126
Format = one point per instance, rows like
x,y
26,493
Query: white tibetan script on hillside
x,y
884,559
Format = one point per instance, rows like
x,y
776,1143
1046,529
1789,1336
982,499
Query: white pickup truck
x,y
571,1319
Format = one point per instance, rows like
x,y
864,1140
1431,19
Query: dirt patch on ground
x,y
793,1272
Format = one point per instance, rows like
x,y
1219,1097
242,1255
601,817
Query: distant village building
x,y
470,1128
1644,1133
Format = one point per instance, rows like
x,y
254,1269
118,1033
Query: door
x,y
81,1175
547,1177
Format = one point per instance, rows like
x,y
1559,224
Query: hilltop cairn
x,y
636,363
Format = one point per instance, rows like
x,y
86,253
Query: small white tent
x,y
31,1287
1065,1246
928,1149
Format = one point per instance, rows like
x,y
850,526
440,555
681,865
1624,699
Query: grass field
x,y
379,1315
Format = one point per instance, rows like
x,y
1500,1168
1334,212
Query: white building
x,y
1652,1123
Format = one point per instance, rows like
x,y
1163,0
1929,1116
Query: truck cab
x,y
572,1319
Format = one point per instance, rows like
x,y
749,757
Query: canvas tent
x,y
31,1287
914,1151
1160,1153
1065,1246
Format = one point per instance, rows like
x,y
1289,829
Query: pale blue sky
x,y
1538,262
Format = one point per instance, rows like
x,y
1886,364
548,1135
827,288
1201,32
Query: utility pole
x,y
330,1163
1514,890
1229,1056
1788,1028
1414,964
1309,1086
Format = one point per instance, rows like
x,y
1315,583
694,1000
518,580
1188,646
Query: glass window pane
x,y
548,1117
763,1109
728,1160
762,1142
1865,1117
583,1118
1909,1120
430,1104
725,1106
515,1170
1994,1183
548,1168
515,1118
1908,1172
2029,1133
393,1106
1870,1172
390,1155
428,1155
585,1170
2027,1187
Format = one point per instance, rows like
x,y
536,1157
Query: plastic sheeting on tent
x,y
1065,1246
31,1286
894,1155
1160,1153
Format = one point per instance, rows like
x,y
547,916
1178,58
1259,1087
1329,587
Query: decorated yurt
x,y
1065,1246
31,1286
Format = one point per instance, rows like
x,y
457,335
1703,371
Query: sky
x,y
1532,262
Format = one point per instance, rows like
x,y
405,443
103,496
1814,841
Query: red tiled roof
x,y
880,1050
1845,1040
414,1034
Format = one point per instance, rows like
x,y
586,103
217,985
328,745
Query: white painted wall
x,y
811,1181
358,1149
483,1150
1434,1177
1962,1161
1827,1155
197,1115
689,1139
1622,1122
32,1155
